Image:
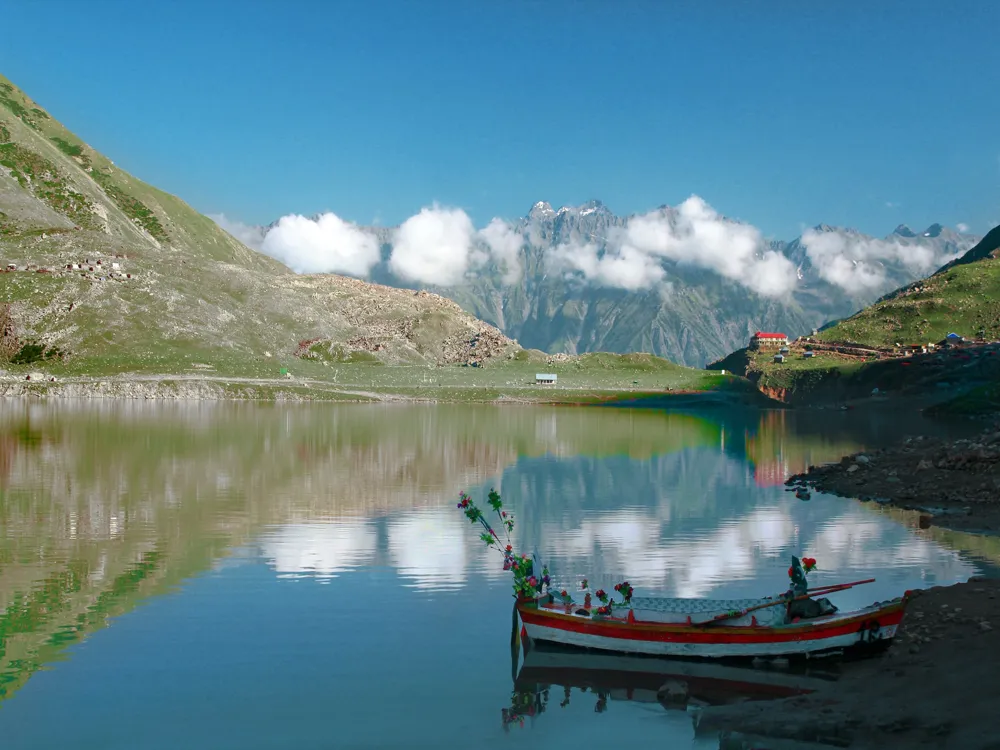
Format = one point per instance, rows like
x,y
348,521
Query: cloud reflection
x,y
321,550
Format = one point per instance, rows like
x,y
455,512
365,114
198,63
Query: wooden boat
x,y
689,627
790,624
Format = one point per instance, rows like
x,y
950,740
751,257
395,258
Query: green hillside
x,y
963,297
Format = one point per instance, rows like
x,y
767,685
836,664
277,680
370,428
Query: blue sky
x,y
784,114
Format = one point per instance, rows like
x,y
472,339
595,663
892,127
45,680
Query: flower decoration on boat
x,y
625,589
527,584
797,573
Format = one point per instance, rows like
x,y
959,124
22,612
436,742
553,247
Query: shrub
x,y
9,342
70,149
31,352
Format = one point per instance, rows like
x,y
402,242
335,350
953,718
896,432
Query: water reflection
x,y
552,678
104,506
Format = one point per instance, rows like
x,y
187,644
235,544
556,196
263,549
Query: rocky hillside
x,y
102,267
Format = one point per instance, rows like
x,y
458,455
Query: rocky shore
x,y
952,483
931,689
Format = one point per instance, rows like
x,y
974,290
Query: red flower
x,y
509,548
790,571
583,583
600,594
563,593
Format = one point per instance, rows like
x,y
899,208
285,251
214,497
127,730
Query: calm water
x,y
220,576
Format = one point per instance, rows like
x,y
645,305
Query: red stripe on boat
x,y
680,633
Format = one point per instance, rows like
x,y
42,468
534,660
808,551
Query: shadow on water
x,y
104,507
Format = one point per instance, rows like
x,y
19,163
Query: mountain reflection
x,y
103,505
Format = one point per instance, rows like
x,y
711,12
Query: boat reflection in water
x,y
551,673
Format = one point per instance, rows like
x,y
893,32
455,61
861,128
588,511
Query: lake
x,y
213,575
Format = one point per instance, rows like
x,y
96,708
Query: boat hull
x,y
871,627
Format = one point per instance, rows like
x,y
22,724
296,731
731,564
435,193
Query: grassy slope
x,y
200,298
963,297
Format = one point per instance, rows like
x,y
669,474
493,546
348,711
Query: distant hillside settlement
x,y
809,346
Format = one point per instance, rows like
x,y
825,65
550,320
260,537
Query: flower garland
x,y
527,583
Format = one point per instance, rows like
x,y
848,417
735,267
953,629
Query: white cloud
x,y
624,268
771,274
248,235
504,244
440,246
694,234
327,244
961,227
855,263
433,247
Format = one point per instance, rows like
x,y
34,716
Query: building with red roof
x,y
764,340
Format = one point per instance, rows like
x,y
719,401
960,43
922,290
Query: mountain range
x,y
697,306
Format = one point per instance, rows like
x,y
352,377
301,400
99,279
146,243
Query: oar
x,y
838,586
515,645
748,610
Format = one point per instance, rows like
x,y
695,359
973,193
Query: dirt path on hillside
x,y
205,384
